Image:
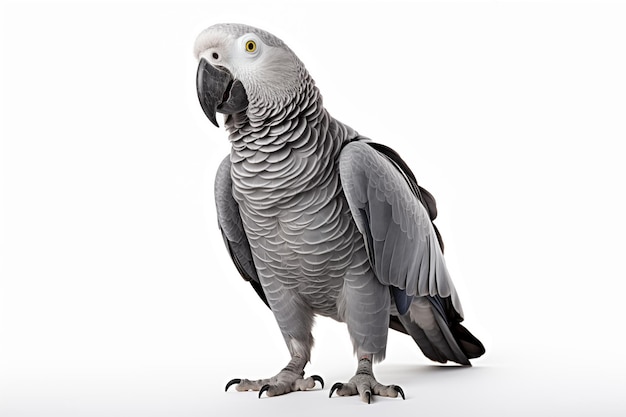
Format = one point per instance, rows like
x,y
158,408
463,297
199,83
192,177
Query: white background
x,y
117,297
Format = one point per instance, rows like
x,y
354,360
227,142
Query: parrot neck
x,y
291,150
298,121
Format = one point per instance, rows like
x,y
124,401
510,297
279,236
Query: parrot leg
x,y
290,379
366,312
295,325
364,384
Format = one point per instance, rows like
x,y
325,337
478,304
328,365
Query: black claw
x,y
318,379
369,396
399,390
338,385
263,389
232,382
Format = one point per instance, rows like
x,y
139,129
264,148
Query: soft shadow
x,y
409,372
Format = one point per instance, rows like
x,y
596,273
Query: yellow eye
x,y
250,46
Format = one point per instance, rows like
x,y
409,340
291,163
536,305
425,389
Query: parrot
x,y
320,220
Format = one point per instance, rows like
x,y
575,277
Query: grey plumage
x,y
319,220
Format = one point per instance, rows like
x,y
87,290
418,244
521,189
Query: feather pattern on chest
x,y
286,181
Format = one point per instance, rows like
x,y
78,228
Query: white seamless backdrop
x,y
117,297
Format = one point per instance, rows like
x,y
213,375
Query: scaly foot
x,y
365,385
284,382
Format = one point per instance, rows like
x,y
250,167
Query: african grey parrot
x,y
320,220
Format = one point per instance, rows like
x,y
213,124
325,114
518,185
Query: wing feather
x,y
385,204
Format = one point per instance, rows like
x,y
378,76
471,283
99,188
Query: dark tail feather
x,y
428,348
469,344
447,341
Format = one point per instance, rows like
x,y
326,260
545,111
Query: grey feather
x,y
322,223
388,215
230,224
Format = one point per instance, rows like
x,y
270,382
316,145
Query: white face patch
x,y
269,72
246,51
251,45
208,40
239,55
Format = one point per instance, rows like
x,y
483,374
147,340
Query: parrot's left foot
x,y
284,382
365,385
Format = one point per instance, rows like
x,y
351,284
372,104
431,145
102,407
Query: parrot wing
x,y
231,226
394,215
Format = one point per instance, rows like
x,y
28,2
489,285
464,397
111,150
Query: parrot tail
x,y
440,339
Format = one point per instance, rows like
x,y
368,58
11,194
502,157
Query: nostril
x,y
215,55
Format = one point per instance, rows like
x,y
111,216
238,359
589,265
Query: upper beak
x,y
218,91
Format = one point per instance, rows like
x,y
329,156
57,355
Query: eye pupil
x,y
215,55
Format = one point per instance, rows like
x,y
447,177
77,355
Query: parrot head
x,y
242,68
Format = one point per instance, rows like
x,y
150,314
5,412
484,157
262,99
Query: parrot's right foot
x,y
286,381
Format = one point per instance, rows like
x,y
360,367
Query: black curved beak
x,y
218,91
